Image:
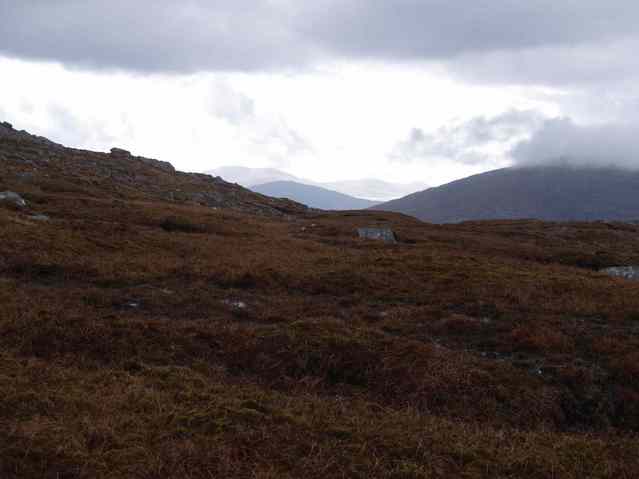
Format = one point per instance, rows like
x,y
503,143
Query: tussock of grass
x,y
181,225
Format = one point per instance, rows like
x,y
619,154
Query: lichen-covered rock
x,y
163,165
626,272
6,130
120,152
381,234
12,197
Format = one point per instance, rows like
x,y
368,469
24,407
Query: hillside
x,y
157,324
34,164
313,196
547,193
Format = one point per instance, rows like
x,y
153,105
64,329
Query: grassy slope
x,y
478,350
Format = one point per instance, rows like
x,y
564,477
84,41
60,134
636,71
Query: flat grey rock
x,y
626,272
13,197
381,234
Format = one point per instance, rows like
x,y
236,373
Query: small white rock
x,y
235,304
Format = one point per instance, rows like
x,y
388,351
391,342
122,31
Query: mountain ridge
x,y
551,193
119,174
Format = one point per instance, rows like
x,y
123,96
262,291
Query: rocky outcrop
x,y
34,164
7,131
163,165
120,152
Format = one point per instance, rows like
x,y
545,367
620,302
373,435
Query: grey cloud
x,y
582,65
467,142
59,124
197,35
442,28
150,35
562,142
280,143
269,133
498,128
67,128
603,103
233,106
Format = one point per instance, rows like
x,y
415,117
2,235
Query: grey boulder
x,y
626,272
381,234
11,197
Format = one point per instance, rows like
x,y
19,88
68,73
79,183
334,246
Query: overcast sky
x,y
402,90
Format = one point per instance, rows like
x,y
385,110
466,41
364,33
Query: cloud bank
x,y
160,36
561,142
249,35
472,142
524,139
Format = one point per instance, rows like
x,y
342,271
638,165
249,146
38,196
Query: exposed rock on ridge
x,y
33,163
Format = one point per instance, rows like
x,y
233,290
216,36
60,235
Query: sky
x,y
405,90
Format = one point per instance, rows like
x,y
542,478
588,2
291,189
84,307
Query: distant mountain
x,y
369,188
548,193
374,189
248,177
313,196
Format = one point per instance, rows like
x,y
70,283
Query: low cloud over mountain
x,y
469,142
524,138
562,142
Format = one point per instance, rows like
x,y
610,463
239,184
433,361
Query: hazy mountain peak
x,y
372,189
248,177
313,196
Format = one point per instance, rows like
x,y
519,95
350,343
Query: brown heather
x,y
490,349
